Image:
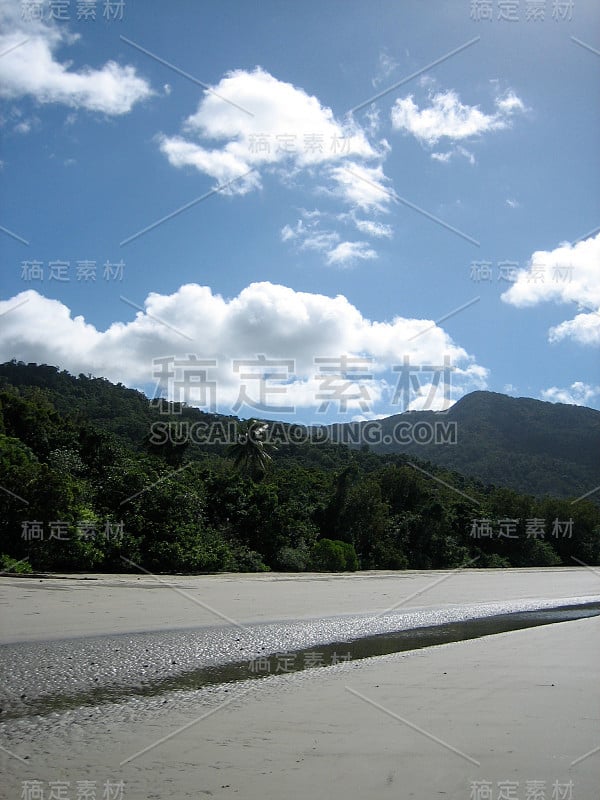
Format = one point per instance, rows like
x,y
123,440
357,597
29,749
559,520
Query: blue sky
x,y
451,221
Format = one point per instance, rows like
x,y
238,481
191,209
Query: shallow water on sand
x,y
50,678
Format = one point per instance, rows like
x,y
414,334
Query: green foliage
x,y
330,555
293,559
8,564
524,444
249,452
494,561
247,560
77,450
350,558
193,551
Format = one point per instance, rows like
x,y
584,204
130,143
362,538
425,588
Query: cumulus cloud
x,y
577,394
363,186
251,124
567,274
448,118
252,120
30,67
583,328
264,319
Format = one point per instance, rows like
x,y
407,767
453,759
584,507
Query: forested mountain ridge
x,y
527,445
84,487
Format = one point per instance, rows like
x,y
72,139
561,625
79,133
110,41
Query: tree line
x,y
84,489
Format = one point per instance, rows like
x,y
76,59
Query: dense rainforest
x,y
84,487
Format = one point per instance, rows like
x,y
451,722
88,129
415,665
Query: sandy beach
x,y
36,609
494,715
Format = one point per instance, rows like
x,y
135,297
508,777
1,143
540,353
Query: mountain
x,y
86,486
527,445
533,447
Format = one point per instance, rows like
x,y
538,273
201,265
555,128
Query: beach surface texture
x,y
510,716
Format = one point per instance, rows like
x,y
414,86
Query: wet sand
x,y
515,707
518,707
34,609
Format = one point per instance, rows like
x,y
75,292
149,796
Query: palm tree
x,y
250,451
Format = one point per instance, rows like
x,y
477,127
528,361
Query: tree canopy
x,y
84,487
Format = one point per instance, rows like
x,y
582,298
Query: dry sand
x,y
34,609
524,705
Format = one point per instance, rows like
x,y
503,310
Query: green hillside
x,y
527,445
87,485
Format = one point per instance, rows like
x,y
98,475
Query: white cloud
x,y
346,253
442,395
15,118
263,319
509,103
512,203
363,187
223,165
368,416
287,233
29,66
446,117
308,234
373,120
377,229
458,150
583,328
568,274
386,66
253,121
444,158
251,124
578,394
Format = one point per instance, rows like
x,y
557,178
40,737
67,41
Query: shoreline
x,y
504,709
507,709
48,609
36,678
